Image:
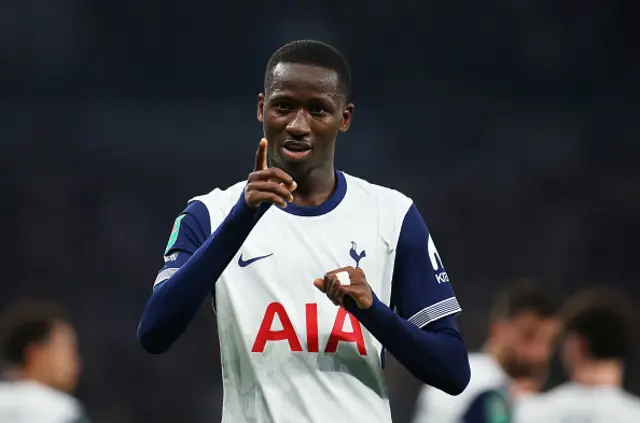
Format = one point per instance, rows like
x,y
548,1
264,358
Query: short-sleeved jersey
x,y
577,403
488,382
31,402
289,354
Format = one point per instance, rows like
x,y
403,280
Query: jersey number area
x,y
287,333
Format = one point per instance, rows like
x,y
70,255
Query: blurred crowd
x,y
511,124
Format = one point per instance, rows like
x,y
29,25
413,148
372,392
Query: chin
x,y
298,166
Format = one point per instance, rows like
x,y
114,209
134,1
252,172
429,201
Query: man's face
x,y
301,113
527,342
58,358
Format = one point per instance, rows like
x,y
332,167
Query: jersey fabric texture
x,y
32,402
481,402
288,354
577,403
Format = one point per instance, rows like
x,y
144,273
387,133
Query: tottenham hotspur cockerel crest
x,y
355,255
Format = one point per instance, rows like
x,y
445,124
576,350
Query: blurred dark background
x,y
513,125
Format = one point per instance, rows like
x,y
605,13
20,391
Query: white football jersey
x,y
32,402
577,403
289,354
435,406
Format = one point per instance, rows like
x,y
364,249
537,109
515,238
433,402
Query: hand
x,y
359,289
270,185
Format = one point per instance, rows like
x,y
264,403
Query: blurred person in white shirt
x,y
598,334
523,329
41,365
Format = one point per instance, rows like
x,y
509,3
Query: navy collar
x,y
324,208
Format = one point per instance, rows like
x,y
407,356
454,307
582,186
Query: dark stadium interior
x,y
513,125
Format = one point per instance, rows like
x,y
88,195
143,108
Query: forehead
x,y
302,79
62,332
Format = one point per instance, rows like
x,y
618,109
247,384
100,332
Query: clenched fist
x,y
353,284
270,185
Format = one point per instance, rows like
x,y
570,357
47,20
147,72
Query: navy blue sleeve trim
x,y
436,355
420,291
175,302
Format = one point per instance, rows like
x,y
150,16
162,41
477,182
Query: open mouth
x,y
296,150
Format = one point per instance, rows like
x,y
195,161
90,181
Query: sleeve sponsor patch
x,y
171,257
174,233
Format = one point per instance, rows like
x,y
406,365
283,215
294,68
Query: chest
x,y
268,291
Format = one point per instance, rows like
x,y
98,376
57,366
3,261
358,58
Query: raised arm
x,y
194,260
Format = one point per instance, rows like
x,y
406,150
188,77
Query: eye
x,y
283,108
317,110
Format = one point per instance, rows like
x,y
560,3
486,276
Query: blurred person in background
x,y
598,334
514,361
41,365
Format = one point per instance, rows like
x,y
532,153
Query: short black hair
x,y
604,319
24,324
523,296
311,52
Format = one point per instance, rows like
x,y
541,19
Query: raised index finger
x,y
261,156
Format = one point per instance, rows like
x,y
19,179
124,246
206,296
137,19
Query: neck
x,y
598,373
314,187
25,374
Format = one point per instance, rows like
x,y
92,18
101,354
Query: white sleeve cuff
x,y
435,312
164,275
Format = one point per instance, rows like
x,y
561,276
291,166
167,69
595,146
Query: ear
x,y
32,353
260,108
496,328
571,348
582,346
347,115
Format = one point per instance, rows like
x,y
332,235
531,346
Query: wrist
x,y
367,303
242,210
362,313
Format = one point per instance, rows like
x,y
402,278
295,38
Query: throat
x,y
315,188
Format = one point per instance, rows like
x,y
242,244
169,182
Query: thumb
x,y
319,283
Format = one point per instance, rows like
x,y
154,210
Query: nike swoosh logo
x,y
245,263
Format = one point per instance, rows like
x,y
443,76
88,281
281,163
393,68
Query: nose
x,y
298,127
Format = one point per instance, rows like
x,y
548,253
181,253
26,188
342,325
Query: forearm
x,y
175,301
438,359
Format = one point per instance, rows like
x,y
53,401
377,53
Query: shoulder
x,y
59,401
377,194
210,209
388,207
221,199
52,403
631,403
